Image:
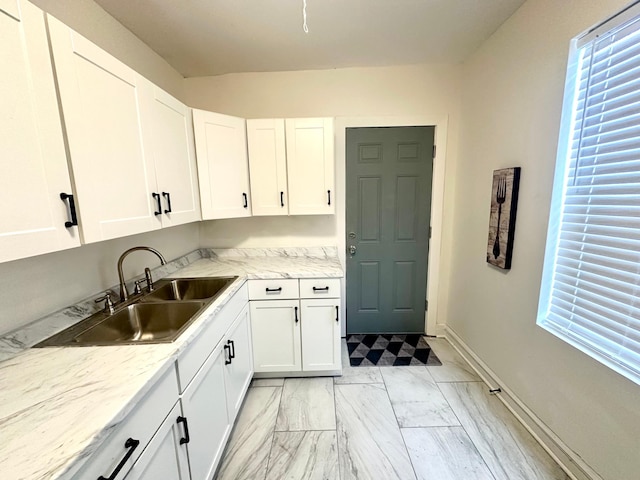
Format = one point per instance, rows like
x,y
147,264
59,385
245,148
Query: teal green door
x,y
389,173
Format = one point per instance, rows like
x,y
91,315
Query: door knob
x,y
352,249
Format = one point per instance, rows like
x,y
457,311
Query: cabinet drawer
x,y
320,288
196,354
140,425
277,289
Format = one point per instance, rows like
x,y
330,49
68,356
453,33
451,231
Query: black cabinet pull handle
x,y
186,438
227,360
337,317
268,290
321,289
168,197
246,200
329,197
282,199
157,197
232,353
72,209
131,445
295,311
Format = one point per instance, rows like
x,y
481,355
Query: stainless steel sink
x,y
159,316
189,289
142,323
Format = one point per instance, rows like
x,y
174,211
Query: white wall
x,y
33,287
511,105
90,20
399,92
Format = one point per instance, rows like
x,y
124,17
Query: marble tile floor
x,y
383,423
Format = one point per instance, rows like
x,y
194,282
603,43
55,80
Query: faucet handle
x,y
138,289
108,303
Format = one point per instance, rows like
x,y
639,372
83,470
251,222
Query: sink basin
x,y
142,323
189,289
156,317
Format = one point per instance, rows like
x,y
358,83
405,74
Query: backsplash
x,y
25,337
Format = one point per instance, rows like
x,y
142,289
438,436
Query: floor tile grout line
x,y
273,432
491,472
489,469
335,412
460,381
406,449
307,430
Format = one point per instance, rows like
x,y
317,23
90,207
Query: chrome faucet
x,y
124,293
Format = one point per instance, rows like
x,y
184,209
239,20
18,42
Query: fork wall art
x,y
502,221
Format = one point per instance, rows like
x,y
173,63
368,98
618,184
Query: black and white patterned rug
x,y
369,350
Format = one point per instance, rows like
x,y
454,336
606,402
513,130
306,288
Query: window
x,y
590,293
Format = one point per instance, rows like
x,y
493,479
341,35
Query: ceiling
x,y
214,37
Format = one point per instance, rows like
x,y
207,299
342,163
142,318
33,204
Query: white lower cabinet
x,y
121,449
239,363
296,334
211,401
275,325
166,454
204,403
320,334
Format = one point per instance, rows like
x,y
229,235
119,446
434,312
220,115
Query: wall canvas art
x,y
502,221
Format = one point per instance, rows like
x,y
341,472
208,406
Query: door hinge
x,y
426,305
434,152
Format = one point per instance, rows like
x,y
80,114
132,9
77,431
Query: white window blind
x,y
590,294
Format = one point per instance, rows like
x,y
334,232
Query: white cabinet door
x,y
310,166
204,404
33,160
275,331
223,171
239,369
124,445
102,102
174,158
165,456
320,334
268,166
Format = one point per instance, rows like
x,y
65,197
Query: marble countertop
x,y
57,405
267,263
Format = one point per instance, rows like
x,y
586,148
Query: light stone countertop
x,y
257,263
57,404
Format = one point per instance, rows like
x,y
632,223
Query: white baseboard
x,y
441,330
570,461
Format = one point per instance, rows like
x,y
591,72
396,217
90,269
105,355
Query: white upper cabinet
x,y
310,166
131,144
292,173
33,161
223,172
174,158
268,166
102,102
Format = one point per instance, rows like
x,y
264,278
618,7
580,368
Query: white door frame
x,y
437,199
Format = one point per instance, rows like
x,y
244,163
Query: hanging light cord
x,y
304,16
